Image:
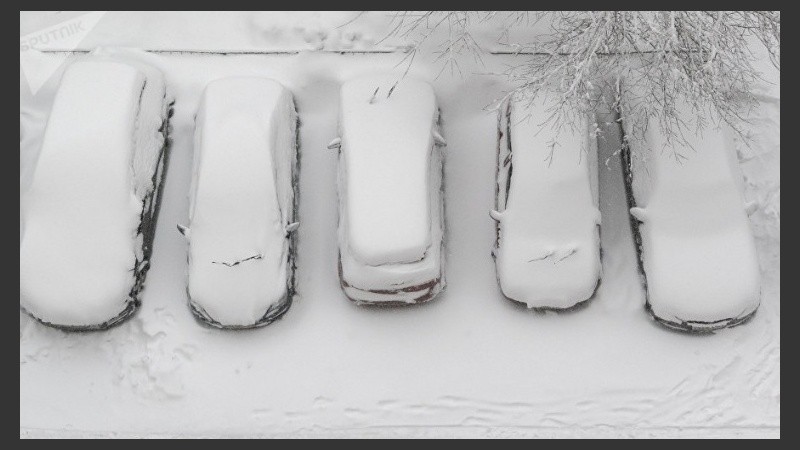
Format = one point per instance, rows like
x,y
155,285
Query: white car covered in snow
x,y
690,221
390,191
89,215
547,248
243,203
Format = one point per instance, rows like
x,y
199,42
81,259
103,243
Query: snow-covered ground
x,y
470,363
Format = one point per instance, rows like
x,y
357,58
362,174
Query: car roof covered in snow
x,y
386,127
549,244
81,213
697,245
238,242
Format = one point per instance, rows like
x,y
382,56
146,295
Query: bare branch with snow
x,y
703,59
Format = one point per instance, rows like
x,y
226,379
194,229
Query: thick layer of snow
x,y
363,279
242,200
390,168
387,141
698,249
548,251
82,208
468,364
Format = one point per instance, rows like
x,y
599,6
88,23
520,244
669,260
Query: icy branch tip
x,y
374,95
392,89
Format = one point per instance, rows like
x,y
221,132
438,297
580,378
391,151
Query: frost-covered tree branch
x,y
419,26
662,59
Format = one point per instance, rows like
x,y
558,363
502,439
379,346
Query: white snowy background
x,y
469,363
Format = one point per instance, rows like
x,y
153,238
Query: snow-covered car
x,y
88,217
243,204
547,247
391,215
690,220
